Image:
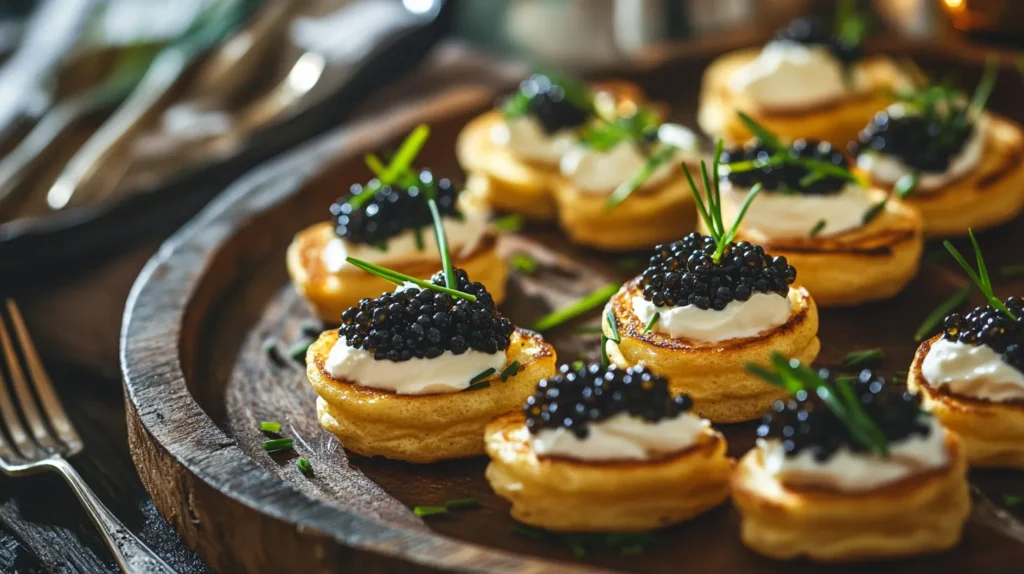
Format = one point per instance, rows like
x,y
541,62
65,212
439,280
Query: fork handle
x,y
131,554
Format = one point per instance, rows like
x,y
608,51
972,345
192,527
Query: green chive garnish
x,y
763,135
874,211
529,532
589,331
298,349
423,511
523,263
482,376
462,504
934,319
478,386
510,371
604,351
278,444
1011,271
451,280
905,185
985,87
405,155
573,310
654,161
1012,500
270,426
613,325
652,322
817,228
509,223
303,465
418,236
375,164
980,278
861,359
401,278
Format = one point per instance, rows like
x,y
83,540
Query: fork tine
x,y
23,394
44,386
9,417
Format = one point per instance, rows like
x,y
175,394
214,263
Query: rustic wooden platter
x,y
198,380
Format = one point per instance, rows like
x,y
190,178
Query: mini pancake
x,y
423,428
715,374
836,122
921,514
647,217
992,433
568,495
331,294
869,263
991,194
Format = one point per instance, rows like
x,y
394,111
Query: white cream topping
x,y
763,311
525,137
448,373
850,471
623,437
790,76
774,214
888,169
972,371
600,172
463,236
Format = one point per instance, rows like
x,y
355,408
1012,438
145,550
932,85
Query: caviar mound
x,y
550,105
988,326
921,514
992,433
683,273
812,31
789,177
574,398
422,323
392,209
423,428
565,495
804,421
924,143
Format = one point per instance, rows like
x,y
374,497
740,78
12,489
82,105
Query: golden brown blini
x,y
423,428
568,495
715,374
869,263
992,433
922,513
989,195
331,293
838,121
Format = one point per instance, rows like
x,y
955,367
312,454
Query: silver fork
x,y
50,437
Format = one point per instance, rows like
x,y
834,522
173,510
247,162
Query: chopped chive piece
x,y
450,279
423,511
604,351
589,331
462,504
1012,500
1011,271
817,227
866,358
510,371
278,444
934,319
417,234
905,185
482,375
573,310
376,166
478,386
613,325
270,426
652,322
523,263
311,328
401,278
298,350
576,365
509,223
632,550
874,211
303,465
271,350
406,153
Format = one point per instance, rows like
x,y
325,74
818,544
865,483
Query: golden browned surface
x,y
423,428
500,178
715,374
330,294
924,513
838,123
870,263
992,433
988,196
578,496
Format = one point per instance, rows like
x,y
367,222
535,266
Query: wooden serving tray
x,y
198,381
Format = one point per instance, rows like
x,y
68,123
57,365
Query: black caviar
x,y
422,323
811,32
682,273
573,398
924,142
393,209
550,105
991,327
786,177
805,422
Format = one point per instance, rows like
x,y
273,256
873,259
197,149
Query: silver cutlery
x,y
47,438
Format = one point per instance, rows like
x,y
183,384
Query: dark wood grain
x,y
198,381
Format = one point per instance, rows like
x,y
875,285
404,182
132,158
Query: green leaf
x,y
861,359
613,326
424,511
934,319
401,278
761,133
270,426
577,308
406,154
652,323
720,248
483,375
874,211
523,263
509,223
450,278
